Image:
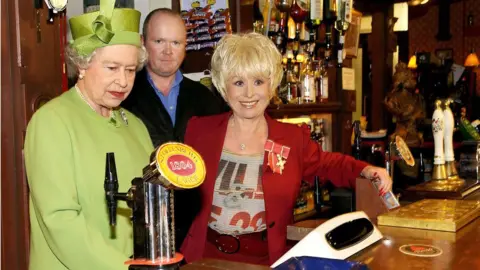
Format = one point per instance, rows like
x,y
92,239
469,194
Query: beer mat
x,y
421,250
431,214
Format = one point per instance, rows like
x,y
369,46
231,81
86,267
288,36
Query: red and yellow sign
x,y
179,164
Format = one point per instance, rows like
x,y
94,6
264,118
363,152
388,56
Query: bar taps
x,y
439,173
172,166
449,123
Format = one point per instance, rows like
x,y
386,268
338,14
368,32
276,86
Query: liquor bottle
x,y
283,5
317,191
357,140
307,80
258,21
329,11
313,135
292,84
282,88
316,10
315,19
296,71
342,24
301,56
320,131
344,15
304,32
328,45
298,12
274,25
291,29
321,78
280,37
329,18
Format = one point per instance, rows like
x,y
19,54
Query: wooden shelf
x,y
294,110
471,31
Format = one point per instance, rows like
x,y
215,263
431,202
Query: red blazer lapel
x,y
271,180
210,146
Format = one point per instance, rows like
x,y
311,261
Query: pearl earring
x,y
80,76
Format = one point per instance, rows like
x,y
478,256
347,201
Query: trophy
x,y
172,166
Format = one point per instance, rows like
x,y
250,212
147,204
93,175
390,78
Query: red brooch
x,y
277,155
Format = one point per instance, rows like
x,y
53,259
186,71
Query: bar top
x,y
212,264
460,250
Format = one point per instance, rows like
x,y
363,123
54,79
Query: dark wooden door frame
x,y
14,214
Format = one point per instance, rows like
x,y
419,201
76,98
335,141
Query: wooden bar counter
x,y
460,250
212,264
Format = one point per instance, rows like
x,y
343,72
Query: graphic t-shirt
x,y
238,204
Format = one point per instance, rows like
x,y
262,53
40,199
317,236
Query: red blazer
x,y
306,159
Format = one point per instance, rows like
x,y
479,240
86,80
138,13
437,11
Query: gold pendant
x,y
242,146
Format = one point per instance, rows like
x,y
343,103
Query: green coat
x,y
65,147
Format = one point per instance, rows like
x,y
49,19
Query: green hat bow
x,y
108,26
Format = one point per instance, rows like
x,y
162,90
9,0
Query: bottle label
x,y
316,10
309,88
324,88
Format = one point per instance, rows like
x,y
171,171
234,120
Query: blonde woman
x,y
255,164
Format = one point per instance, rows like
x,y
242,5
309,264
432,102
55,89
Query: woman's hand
x,y
377,173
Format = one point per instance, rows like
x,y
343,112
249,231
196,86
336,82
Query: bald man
x,y
165,100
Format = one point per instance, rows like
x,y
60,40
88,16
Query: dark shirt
x,y
194,99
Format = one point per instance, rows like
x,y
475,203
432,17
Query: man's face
x,y
165,43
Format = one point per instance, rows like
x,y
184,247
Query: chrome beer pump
x,y
172,166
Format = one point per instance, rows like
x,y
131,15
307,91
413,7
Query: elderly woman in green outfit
x,y
66,142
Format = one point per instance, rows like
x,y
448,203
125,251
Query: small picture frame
x,y
445,54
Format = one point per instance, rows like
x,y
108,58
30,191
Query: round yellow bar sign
x,y
181,165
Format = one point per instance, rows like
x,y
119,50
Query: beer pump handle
x,y
111,187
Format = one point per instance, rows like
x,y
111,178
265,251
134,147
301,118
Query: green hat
x,y
109,26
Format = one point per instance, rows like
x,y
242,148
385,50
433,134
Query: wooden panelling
x,y
381,66
31,73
